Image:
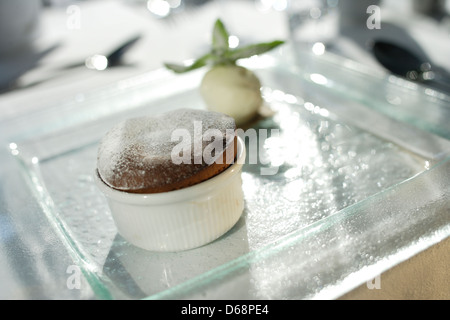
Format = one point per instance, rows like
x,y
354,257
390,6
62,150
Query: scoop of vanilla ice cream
x,y
233,90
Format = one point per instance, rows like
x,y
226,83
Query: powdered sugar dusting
x,y
136,153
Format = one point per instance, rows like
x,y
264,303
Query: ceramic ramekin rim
x,y
176,195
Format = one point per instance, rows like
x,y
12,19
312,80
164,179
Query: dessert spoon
x,y
403,62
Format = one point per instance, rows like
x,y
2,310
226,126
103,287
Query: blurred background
x,y
53,49
74,45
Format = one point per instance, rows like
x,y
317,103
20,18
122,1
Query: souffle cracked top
x,y
166,152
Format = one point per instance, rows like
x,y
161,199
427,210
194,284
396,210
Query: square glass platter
x,y
341,190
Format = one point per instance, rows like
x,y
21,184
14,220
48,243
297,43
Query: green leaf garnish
x,y
200,62
253,50
220,38
221,53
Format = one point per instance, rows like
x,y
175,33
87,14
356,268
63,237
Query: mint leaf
x,y
219,38
221,53
200,62
252,50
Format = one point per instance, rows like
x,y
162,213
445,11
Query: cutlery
x,y
102,62
403,62
95,62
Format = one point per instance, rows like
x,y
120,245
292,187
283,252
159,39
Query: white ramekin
x,y
181,219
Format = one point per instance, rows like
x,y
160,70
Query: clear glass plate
x,y
352,191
